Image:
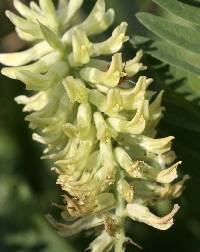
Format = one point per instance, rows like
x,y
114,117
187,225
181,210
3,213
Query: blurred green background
x,y
27,186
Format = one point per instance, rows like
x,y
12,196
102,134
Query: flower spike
x,y
98,126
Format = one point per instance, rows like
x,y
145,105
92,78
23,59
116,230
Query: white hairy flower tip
x,y
98,126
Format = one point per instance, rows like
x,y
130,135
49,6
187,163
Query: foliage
x,y
179,34
176,43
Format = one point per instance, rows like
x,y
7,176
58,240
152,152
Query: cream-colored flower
x,y
98,127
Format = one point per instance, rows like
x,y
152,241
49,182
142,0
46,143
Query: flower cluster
x,y
98,127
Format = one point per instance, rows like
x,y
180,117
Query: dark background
x,y
27,186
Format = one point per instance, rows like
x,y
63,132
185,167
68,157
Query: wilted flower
x,y
98,128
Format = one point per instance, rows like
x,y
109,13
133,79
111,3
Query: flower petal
x,y
141,213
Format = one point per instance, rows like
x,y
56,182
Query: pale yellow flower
x,y
99,128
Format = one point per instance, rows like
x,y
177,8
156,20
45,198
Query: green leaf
x,y
185,11
178,47
176,56
179,35
181,113
189,86
172,55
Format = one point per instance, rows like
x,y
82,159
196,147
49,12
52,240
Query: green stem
x,y
120,237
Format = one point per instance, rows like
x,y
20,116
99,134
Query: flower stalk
x,y
120,214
